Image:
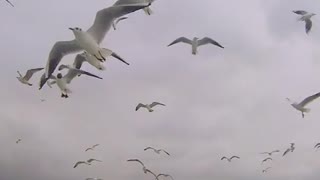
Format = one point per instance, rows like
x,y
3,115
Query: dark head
x,y
75,29
59,76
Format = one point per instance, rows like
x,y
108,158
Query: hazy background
x,y
219,103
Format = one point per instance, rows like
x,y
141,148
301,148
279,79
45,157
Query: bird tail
x,y
148,11
105,52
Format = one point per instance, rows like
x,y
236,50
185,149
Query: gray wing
x,y
224,158
95,145
105,17
309,99
265,153
181,39
10,3
275,151
308,25
234,157
300,12
149,148
115,55
147,170
88,149
286,152
156,103
58,51
136,160
316,146
165,152
30,72
77,164
207,40
75,72
120,19
91,160
139,106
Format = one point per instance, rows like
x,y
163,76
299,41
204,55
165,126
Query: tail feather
x,y
105,52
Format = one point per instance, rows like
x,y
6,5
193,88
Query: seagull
x,y
102,23
25,79
115,22
196,42
229,159
94,179
317,146
265,160
291,149
62,81
147,10
306,17
157,150
92,160
80,162
165,175
18,141
266,170
92,148
144,169
148,106
270,153
42,100
301,106
10,3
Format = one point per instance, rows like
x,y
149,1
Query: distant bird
x,y
301,106
18,141
165,175
265,160
92,160
10,3
270,153
266,170
195,43
317,146
42,100
81,162
94,179
144,169
115,22
148,106
25,79
92,148
291,149
306,17
229,159
157,150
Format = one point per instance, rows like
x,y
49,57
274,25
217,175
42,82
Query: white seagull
x,y
196,42
80,162
9,3
149,106
229,159
301,106
62,81
92,148
165,175
270,153
306,17
157,150
102,23
25,79
147,10
115,22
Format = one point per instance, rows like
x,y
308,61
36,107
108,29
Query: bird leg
x,y
101,60
102,56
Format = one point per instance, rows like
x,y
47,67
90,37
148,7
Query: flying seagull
x,y
306,17
147,10
317,146
149,106
62,81
266,170
115,22
291,149
18,141
92,160
92,148
196,42
80,162
165,175
229,159
25,79
102,23
10,3
301,106
157,150
270,153
265,160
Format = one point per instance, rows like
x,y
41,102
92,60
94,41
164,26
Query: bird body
x,y
196,42
62,84
25,79
301,106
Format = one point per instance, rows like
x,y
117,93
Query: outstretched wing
x,y
181,39
149,148
265,153
148,171
224,158
316,146
78,163
10,3
234,157
308,25
300,12
89,149
156,103
137,160
165,152
139,106
207,40
275,151
309,99
30,72
91,160
94,146
288,150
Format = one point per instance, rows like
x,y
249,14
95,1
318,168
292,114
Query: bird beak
x,y
71,29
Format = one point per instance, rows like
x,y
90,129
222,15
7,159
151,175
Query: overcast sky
x,y
221,102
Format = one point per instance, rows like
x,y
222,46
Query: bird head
x,y
75,29
59,76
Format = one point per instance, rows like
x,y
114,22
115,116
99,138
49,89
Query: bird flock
x,y
87,44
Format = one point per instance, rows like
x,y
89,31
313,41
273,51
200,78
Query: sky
x,y
221,102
